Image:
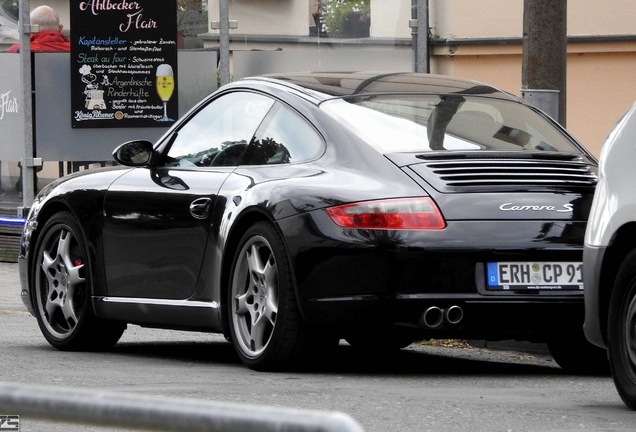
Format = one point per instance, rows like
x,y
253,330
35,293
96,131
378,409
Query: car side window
x,y
284,137
219,133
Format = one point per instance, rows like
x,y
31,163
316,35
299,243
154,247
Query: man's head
x,y
46,18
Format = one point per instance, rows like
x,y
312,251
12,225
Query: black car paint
x,y
347,276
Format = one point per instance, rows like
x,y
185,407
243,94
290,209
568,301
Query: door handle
x,y
200,208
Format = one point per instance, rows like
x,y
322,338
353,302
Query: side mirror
x,y
134,153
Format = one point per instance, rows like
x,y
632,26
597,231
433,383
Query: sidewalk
x,y
10,287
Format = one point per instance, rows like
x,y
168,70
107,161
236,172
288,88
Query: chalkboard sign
x,y
123,63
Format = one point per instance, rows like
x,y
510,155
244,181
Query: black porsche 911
x,y
290,212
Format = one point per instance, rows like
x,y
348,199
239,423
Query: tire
x,y
61,290
265,325
621,331
575,355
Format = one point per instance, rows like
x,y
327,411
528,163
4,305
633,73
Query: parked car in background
x,y
610,257
290,212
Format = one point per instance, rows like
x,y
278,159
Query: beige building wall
x,y
266,17
390,19
600,73
601,83
504,18
475,18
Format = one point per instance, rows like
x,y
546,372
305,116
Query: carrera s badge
x,y
566,208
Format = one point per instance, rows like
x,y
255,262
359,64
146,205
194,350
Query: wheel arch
x,y
247,219
86,331
623,242
45,213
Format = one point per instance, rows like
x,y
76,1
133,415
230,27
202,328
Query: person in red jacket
x,y
49,36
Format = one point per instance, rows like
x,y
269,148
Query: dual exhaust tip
x,y
435,317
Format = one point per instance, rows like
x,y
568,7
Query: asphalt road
x,y
422,388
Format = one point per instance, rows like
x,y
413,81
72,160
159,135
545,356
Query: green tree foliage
x,y
336,12
192,19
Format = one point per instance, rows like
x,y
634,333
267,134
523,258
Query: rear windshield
x,y
420,123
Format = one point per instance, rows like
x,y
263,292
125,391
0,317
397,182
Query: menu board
x,y
123,63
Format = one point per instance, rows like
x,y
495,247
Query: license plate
x,y
535,275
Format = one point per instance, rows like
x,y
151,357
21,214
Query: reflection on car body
x,y
289,212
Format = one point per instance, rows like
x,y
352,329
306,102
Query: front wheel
x,y
265,324
621,331
61,290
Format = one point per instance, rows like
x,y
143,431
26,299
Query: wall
x,y
476,19
504,18
390,18
600,80
266,17
600,73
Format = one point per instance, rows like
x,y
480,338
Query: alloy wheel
x,y
255,296
60,282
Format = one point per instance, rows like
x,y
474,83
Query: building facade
x,y
470,39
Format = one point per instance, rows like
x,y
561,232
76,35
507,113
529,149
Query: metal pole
x,y
224,42
422,64
27,107
419,35
163,414
544,61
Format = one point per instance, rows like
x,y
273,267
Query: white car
x,y
609,257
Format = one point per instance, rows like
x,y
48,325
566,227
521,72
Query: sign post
x,y
28,182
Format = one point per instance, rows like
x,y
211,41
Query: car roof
x,y
325,85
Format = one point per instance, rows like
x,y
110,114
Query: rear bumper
x,y
592,263
369,278
489,319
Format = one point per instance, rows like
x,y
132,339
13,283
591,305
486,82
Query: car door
x,y
158,219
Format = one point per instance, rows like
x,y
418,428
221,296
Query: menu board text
x,y
123,63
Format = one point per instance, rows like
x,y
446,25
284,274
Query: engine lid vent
x,y
510,171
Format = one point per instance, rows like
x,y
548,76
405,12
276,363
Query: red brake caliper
x,y
79,292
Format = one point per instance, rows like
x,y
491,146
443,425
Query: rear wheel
x,y
621,332
574,354
265,324
62,290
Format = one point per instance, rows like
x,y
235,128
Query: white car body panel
x,y
615,199
613,207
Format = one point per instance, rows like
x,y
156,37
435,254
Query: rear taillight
x,y
404,213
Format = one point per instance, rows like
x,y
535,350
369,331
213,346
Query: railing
x,y
162,414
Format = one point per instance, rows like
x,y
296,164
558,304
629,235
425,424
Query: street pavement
x,y
421,388
10,299
10,287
